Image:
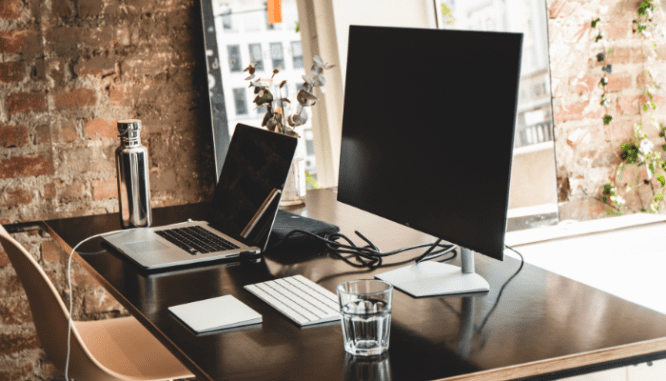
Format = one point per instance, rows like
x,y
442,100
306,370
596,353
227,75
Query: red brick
x,y
12,41
96,66
73,192
578,111
617,30
25,166
15,197
68,41
10,9
102,189
82,278
15,310
99,129
120,96
16,136
24,371
49,191
617,82
4,259
67,133
584,84
628,105
621,130
90,8
61,8
80,97
12,342
42,134
50,252
10,286
619,56
12,72
26,102
561,8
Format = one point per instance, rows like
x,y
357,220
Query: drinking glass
x,y
365,306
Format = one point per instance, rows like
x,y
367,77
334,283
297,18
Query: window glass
x,y
267,47
234,55
240,101
256,57
276,55
297,54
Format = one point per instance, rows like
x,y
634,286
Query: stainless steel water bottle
x,y
132,172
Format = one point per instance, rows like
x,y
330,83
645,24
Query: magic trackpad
x,y
142,246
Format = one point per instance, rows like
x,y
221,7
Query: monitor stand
x,y
430,278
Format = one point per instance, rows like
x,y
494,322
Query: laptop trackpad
x,y
142,246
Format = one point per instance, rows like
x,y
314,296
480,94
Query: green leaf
x,y
661,180
594,22
659,197
311,180
607,119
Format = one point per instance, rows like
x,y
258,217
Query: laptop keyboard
x,y
196,240
299,299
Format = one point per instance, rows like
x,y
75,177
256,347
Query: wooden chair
x,y
114,349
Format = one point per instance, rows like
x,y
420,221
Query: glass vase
x,y
295,186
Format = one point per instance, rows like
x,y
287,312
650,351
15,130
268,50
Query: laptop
x,y
242,212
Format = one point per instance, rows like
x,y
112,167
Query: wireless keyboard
x,y
299,299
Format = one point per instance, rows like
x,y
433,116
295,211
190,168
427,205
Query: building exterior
x,y
244,36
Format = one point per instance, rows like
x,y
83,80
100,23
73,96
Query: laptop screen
x,y
248,191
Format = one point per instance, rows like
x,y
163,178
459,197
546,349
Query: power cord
x,y
499,295
370,255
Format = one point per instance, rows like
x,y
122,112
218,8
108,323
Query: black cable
x,y
522,262
370,255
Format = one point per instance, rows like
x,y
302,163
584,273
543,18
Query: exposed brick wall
x,y
587,151
71,69
68,71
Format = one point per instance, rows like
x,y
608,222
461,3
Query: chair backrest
x,y
50,314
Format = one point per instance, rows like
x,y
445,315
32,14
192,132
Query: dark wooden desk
x,y
544,327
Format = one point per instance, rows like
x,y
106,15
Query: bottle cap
x,y
129,125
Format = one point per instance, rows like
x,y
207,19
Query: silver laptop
x,y
241,214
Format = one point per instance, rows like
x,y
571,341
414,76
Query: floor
x,y
626,262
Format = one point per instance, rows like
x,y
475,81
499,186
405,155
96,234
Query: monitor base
x,y
434,279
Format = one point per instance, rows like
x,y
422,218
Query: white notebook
x,y
216,313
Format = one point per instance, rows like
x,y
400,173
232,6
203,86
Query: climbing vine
x,y
639,151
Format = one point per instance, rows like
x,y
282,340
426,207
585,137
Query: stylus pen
x,y
257,216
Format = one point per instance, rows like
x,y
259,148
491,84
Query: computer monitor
x,y
427,141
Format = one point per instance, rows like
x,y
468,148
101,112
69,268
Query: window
x,y
297,54
235,63
240,101
256,57
276,55
226,21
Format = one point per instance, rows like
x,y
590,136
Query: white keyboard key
x,y
323,307
290,313
299,299
285,299
315,293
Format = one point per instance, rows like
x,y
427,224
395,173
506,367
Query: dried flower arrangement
x,y
281,116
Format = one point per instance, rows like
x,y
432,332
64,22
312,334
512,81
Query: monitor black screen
x,y
428,127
